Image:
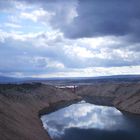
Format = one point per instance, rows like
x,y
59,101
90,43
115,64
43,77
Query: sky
x,y
69,38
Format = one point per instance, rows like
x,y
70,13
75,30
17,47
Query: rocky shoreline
x,y
22,105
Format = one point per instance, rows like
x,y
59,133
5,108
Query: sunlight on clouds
x,y
126,55
78,52
54,46
83,52
101,42
56,65
37,15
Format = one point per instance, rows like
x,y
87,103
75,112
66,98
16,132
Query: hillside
x,y
20,106
123,95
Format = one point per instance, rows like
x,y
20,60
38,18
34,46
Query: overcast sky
x,y
58,38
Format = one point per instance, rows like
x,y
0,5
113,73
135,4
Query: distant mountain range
x,y
69,80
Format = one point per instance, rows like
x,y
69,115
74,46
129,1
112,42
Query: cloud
x,y
88,18
62,12
53,53
36,15
59,37
103,18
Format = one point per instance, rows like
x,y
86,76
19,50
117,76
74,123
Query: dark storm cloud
x,y
96,17
105,17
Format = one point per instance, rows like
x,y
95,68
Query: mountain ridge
x,y
6,79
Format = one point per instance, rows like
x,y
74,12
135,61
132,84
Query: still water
x,y
85,121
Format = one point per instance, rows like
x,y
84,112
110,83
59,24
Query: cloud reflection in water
x,y
82,115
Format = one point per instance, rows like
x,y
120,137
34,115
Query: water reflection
x,y
84,116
